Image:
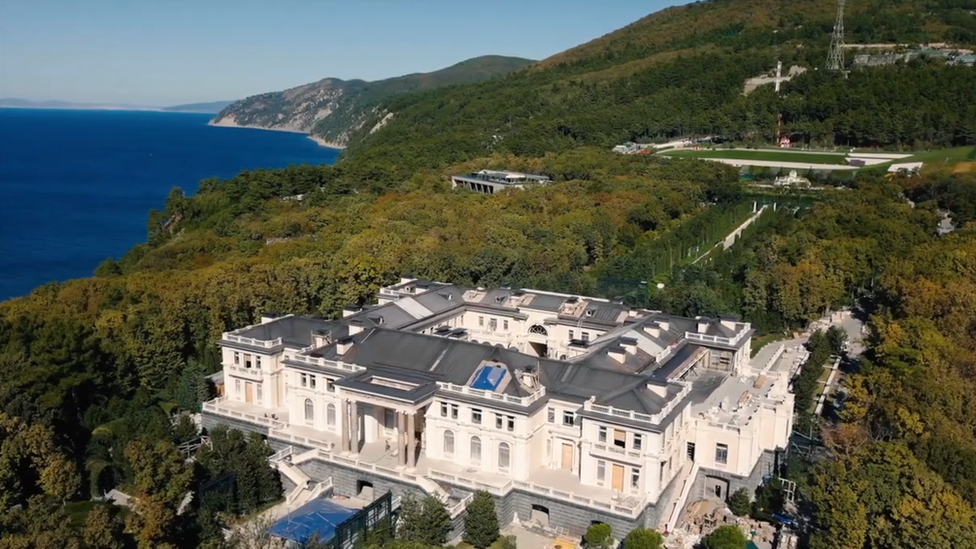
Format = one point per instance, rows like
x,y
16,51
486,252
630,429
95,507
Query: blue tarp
x,y
319,516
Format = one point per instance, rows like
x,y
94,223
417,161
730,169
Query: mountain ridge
x,y
331,109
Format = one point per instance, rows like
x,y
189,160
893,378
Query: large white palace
x,y
568,409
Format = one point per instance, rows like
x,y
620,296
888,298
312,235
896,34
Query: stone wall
x,y
570,518
209,421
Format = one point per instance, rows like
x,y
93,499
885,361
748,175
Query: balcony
x,y
729,342
227,336
255,374
333,364
614,452
491,395
250,413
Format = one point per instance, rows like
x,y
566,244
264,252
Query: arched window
x,y
504,455
536,329
309,411
330,415
449,443
475,450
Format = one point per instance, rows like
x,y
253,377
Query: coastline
x,y
230,123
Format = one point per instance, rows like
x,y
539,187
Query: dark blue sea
x,y
76,186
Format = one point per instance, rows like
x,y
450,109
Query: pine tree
x,y
740,503
481,522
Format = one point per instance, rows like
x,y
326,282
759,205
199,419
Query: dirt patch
x,y
965,167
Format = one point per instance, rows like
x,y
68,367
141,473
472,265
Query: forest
x,y
97,376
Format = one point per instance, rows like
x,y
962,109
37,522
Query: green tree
x,y
423,521
104,529
837,339
481,522
61,479
599,536
643,538
726,537
740,503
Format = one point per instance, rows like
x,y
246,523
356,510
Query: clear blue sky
x,y
165,52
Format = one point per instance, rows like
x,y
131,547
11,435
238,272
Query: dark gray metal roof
x,y
295,331
543,302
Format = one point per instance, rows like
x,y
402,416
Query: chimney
x,y
729,322
355,329
629,345
406,278
632,312
343,345
269,317
529,377
664,324
617,353
321,338
350,310
702,324
653,329
658,389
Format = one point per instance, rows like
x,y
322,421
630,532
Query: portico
x,y
371,419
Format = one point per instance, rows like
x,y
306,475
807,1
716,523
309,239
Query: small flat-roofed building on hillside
x,y
492,181
567,409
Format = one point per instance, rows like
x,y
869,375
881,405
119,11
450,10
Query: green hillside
x,y
681,71
332,109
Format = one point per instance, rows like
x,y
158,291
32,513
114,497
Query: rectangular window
x,y
237,389
572,335
549,448
586,336
505,325
722,453
330,384
493,324
257,362
569,419
552,415
311,381
691,451
498,421
476,416
304,380
389,419
237,357
601,470
443,409
454,411
511,423
638,441
635,478
619,438
258,393
247,361
602,435
481,321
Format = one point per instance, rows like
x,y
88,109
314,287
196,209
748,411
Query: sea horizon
x,y
76,185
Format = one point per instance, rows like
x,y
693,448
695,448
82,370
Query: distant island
x,y
18,103
331,110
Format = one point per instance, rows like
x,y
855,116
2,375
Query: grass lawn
x,y
761,341
772,156
77,511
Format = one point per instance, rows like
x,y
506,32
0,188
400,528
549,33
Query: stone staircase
x,y
679,503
